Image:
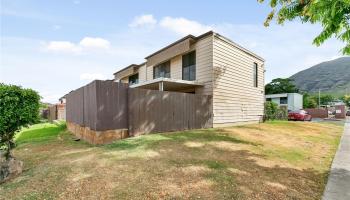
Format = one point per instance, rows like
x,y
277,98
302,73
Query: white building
x,y
292,101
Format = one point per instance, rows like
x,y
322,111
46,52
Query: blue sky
x,y
56,46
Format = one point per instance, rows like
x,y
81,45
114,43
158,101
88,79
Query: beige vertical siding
x,y
235,99
176,67
149,72
125,80
204,64
142,73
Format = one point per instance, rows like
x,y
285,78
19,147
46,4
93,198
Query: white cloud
x,y
90,42
287,50
63,46
184,26
92,76
143,20
86,44
50,98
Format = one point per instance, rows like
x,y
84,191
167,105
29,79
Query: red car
x,y
300,115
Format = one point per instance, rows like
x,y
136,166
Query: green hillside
x,y
332,77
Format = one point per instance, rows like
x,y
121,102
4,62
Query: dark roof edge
x,y
132,65
241,48
172,44
180,40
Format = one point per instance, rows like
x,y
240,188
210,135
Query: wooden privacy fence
x,y
317,112
156,111
52,113
56,112
107,105
100,105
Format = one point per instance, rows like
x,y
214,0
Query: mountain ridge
x,y
332,77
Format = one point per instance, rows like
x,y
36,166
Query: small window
x,y
283,100
162,70
189,66
268,99
134,79
255,74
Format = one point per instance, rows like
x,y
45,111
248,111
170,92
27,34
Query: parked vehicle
x,y
348,113
300,115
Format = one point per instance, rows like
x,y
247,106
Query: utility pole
x,y
319,98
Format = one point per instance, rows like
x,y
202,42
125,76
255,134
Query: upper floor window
x,y
134,79
162,70
255,74
189,66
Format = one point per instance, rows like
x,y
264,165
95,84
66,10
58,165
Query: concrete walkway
x,y
338,186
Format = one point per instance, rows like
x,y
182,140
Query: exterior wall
x,y
124,80
295,101
226,70
142,73
61,112
176,67
149,72
235,99
204,65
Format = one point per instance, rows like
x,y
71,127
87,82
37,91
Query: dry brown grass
x,y
276,160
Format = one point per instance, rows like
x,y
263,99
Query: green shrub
x,y
18,108
274,112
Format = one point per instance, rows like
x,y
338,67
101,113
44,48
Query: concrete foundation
x,y
96,137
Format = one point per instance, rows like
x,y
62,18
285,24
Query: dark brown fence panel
x,y
112,105
100,105
317,112
75,106
90,105
340,112
52,113
107,105
156,111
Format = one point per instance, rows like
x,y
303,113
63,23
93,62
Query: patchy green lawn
x,y
274,160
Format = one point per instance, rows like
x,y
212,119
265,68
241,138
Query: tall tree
x,y
280,85
333,15
346,99
326,99
309,101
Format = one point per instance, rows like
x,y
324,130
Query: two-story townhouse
x,y
209,64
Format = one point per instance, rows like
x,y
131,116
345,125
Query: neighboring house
x,y
209,64
336,102
292,101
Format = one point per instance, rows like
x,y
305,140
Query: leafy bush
x,y
274,112
346,99
309,101
18,108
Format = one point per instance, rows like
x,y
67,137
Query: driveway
x,y
338,186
